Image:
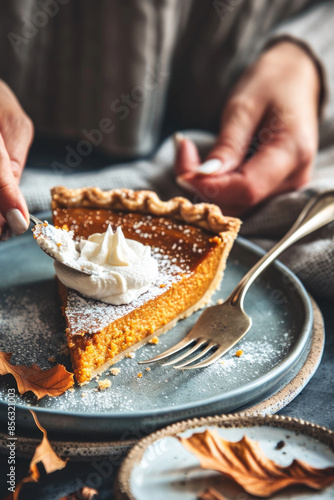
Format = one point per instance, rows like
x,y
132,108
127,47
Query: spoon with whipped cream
x,y
58,244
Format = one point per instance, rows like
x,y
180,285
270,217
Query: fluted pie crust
x,y
191,243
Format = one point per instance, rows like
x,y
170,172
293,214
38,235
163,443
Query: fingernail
x,y
184,184
210,166
178,137
16,221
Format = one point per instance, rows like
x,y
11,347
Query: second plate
x,y
31,327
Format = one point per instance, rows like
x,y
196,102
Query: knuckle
x,y
232,142
28,125
3,156
7,188
225,148
12,119
15,120
241,107
303,178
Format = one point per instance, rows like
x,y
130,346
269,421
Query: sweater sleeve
x,y
313,30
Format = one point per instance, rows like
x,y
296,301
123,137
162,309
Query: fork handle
x,y
316,214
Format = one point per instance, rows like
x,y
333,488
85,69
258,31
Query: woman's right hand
x,y
16,135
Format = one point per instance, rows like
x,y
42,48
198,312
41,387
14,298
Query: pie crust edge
x,y
204,215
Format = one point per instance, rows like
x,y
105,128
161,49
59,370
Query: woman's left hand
x,y
275,105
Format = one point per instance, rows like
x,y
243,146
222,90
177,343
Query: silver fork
x,y
49,235
220,327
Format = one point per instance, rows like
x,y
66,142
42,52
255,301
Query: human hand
x,y
276,103
16,134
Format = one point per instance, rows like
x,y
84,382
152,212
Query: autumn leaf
x,y
44,454
245,462
52,382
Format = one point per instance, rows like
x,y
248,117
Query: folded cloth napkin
x,y
312,259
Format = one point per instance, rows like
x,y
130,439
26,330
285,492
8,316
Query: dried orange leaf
x,y
245,462
52,382
44,454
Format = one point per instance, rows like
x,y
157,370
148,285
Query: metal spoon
x,y
40,229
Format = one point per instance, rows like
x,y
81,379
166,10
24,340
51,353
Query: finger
x,y
2,224
240,121
17,135
187,157
12,204
296,180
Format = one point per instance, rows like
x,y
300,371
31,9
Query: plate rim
x,y
122,486
290,360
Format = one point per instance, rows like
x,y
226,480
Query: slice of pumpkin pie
x,y
189,245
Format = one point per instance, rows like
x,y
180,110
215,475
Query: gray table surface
x,y
315,404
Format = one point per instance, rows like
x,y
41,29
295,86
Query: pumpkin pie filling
x,y
191,260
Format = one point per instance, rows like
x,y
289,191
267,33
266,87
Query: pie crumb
x,y
83,395
239,353
215,239
280,445
140,375
220,301
148,369
155,340
64,349
115,371
104,384
52,359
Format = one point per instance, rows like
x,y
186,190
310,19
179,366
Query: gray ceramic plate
x,y
159,467
31,327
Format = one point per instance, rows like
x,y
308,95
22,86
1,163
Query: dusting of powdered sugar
x,y
29,328
32,328
157,388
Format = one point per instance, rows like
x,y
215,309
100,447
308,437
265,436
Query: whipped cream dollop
x,y
122,269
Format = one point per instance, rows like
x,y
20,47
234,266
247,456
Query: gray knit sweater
x,y
78,65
